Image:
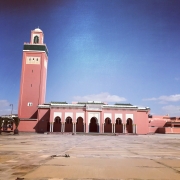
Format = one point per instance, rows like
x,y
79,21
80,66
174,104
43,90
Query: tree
x,y
16,122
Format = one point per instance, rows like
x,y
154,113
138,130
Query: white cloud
x,y
104,97
172,110
4,103
150,99
4,107
171,98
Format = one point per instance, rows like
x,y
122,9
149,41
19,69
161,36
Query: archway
x,y
68,125
118,126
79,125
36,40
129,124
57,124
93,126
108,126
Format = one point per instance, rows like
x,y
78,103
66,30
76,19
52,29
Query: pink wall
x,y
43,120
153,130
142,122
28,126
63,110
169,130
32,87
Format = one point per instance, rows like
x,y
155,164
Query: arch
x,y
108,125
129,125
57,124
36,39
118,126
93,125
79,124
68,124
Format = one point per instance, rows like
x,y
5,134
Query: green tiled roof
x,y
35,47
123,104
53,102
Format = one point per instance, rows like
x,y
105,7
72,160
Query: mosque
x,y
84,117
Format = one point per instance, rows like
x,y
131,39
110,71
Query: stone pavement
x,y
28,156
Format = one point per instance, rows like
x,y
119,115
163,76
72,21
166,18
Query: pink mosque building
x,y
84,117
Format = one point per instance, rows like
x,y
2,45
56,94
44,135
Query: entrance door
x,y
93,126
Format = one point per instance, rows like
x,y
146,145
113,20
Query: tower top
x,y
37,36
38,30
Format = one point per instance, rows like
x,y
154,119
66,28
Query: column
x,y
124,128
52,126
61,127
88,130
97,127
112,128
102,127
64,127
84,124
74,127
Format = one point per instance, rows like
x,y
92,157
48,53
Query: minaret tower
x,y
33,76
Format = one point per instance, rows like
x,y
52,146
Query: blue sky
x,y
116,51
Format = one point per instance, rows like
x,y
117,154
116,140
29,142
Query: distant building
x,y
91,116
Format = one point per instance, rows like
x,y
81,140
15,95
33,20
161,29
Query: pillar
x,y
112,128
74,127
61,127
102,127
98,127
124,128
52,126
84,127
64,127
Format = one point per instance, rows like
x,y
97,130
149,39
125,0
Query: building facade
x,y
85,117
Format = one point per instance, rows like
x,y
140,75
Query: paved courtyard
x,y
131,157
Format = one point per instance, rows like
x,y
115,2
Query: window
x,y
29,104
36,39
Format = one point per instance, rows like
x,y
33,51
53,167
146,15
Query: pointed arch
x,y
118,126
93,126
57,124
68,124
129,125
108,125
36,39
79,125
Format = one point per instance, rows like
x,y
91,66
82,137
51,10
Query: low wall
x,y
27,126
169,130
153,130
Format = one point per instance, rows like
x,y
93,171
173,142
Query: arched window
x,y
36,39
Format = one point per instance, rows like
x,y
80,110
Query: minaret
x,y
33,76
